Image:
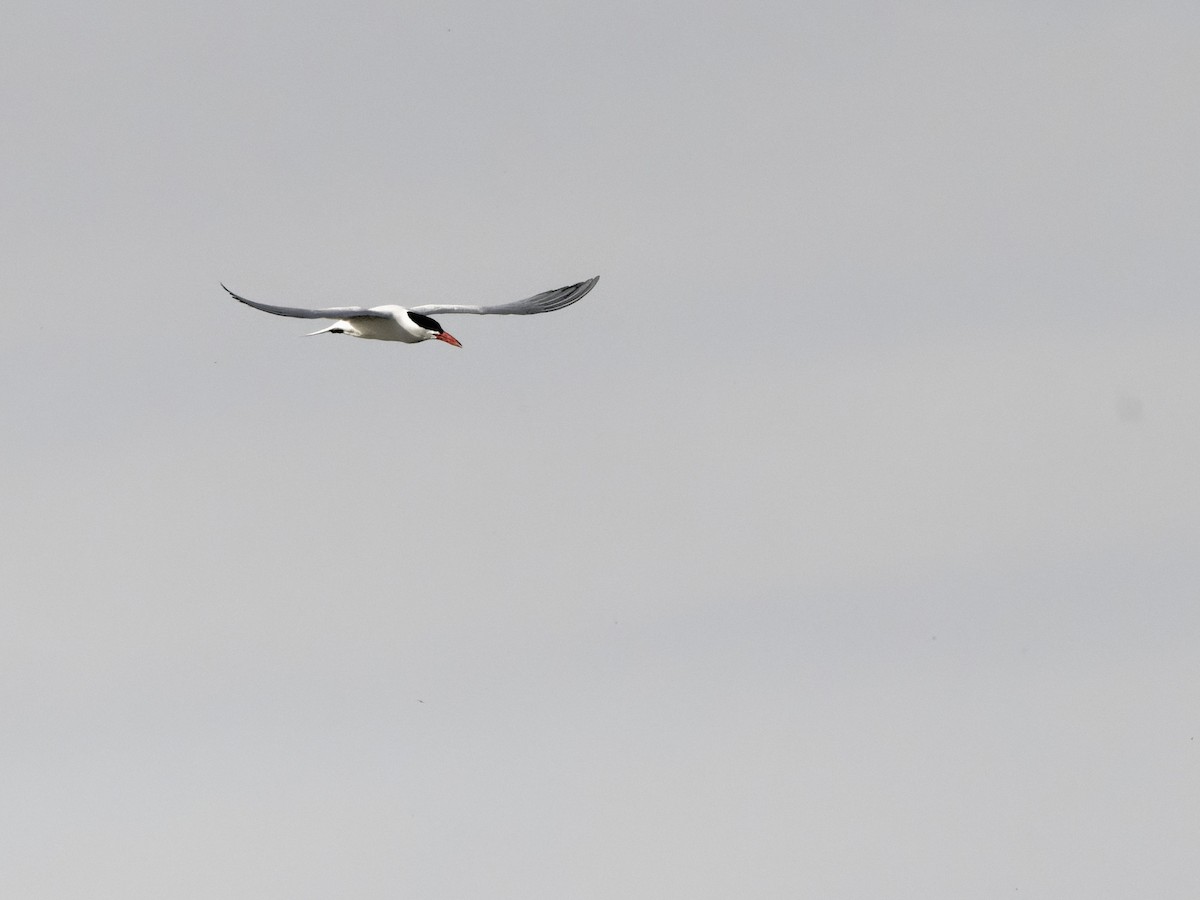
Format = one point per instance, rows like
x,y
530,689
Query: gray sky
x,y
841,543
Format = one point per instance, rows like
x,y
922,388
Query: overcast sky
x,y
841,544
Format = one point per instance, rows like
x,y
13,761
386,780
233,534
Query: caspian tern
x,y
396,323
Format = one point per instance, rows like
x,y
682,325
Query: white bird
x,y
396,323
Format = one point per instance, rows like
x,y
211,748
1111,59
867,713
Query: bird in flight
x,y
411,326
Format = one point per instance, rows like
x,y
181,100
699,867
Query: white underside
x,y
375,329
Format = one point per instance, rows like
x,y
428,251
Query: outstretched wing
x,y
336,312
539,303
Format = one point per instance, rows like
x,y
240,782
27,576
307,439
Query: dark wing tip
x,y
232,294
565,296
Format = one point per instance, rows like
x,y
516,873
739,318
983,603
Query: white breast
x,y
397,327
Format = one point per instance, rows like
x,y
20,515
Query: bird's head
x,y
431,330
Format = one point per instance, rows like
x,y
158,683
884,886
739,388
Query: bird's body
x,y
397,326
412,326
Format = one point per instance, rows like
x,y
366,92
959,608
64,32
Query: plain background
x,y
841,544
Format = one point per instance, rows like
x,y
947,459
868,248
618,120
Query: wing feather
x,y
547,301
335,312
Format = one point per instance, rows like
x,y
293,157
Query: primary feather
x,y
548,301
334,312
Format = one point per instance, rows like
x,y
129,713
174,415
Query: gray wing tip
x,y
570,294
564,296
236,297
